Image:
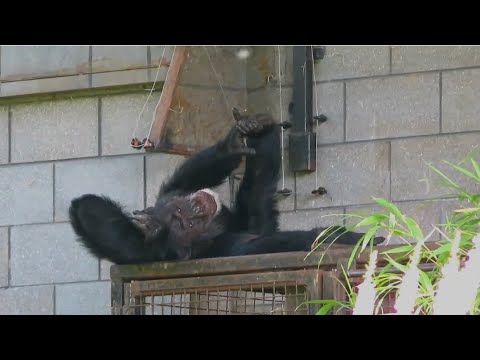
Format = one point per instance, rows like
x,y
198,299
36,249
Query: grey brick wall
x,y
390,110
54,149
4,135
396,106
4,261
27,300
89,298
54,130
120,178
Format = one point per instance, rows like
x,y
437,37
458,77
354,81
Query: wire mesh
x,y
278,298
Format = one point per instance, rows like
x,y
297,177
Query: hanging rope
x,y
135,142
160,99
229,108
318,118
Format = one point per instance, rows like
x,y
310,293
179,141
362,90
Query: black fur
x,y
182,226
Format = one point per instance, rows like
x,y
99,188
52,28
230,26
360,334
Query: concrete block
x,y
393,107
116,78
309,219
327,98
54,130
92,298
3,257
262,66
460,106
159,167
118,57
197,67
119,118
120,178
27,194
159,56
48,253
200,117
351,174
4,137
267,100
45,85
23,62
412,179
28,300
342,62
424,58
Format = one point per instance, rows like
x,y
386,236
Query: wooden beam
x,y
169,86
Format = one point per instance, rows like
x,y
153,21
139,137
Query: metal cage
x,y
267,284
277,284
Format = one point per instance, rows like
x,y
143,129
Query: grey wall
x,y
389,109
63,134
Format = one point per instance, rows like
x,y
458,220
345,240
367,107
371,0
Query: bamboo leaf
x,y
400,249
368,236
476,167
374,219
397,265
390,207
414,228
325,309
467,210
463,171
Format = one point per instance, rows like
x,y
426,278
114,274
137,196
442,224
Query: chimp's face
x,y
179,219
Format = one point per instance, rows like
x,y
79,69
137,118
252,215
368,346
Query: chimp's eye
x,y
179,210
190,224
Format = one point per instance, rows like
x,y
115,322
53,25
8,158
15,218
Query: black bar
x,y
302,139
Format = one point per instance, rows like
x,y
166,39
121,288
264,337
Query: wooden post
x,y
169,86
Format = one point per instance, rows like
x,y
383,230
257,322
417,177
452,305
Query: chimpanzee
x,y
188,220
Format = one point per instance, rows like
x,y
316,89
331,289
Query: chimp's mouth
x,y
208,200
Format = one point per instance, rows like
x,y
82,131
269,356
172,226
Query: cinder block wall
x,y
56,147
390,110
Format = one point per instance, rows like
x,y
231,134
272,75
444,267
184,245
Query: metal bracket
x,y
302,140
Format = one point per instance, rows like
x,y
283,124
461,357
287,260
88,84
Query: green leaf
x,y
476,167
463,171
400,249
400,233
449,183
425,282
374,219
391,221
414,228
390,207
354,252
325,309
397,265
368,236
467,210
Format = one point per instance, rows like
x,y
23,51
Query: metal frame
x,y
319,274
133,281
